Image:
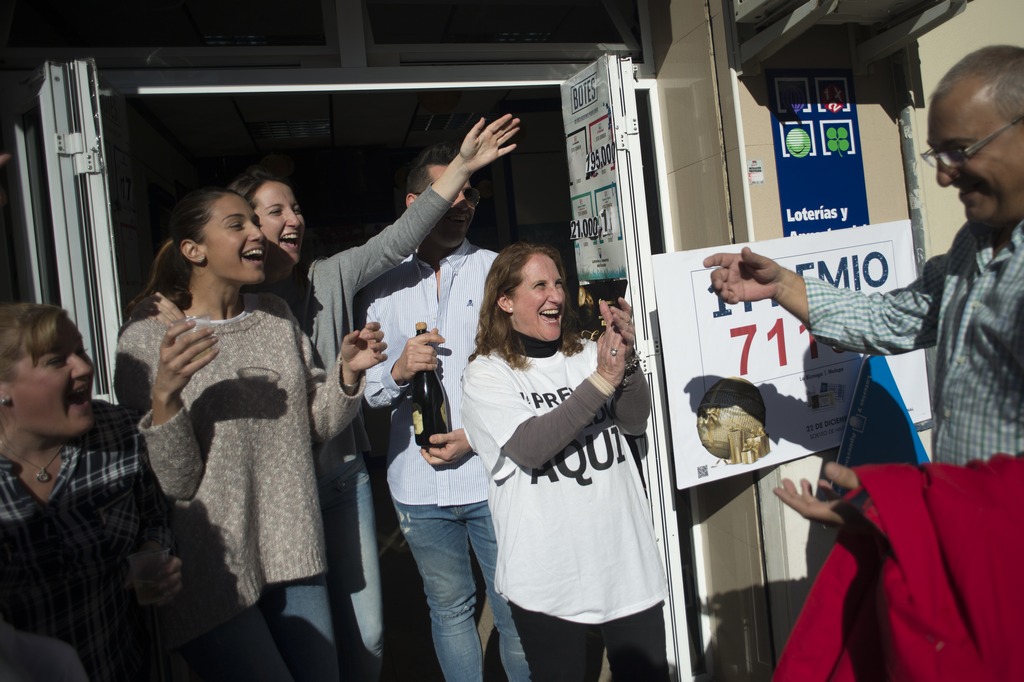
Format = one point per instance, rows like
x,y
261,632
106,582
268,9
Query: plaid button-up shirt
x,y
62,564
969,304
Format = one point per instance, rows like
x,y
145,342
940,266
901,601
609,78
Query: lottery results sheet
x,y
805,386
596,225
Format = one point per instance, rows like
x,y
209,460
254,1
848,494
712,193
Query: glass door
x,y
612,242
60,238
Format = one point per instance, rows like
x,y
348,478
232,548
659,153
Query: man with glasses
x,y
440,493
969,302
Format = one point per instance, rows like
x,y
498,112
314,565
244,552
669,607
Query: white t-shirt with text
x,y
575,538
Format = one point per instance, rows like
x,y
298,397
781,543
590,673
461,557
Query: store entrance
x,y
348,174
348,177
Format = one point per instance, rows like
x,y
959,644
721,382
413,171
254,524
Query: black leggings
x,y
556,648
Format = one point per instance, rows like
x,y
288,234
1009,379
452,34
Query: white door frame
x,y
73,163
658,467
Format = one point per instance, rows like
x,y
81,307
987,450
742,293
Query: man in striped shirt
x,y
968,302
440,493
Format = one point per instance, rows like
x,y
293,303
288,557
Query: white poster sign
x,y
804,385
596,225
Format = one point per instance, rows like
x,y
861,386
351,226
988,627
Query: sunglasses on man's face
x,y
470,194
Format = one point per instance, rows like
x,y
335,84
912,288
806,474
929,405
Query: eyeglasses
x,y
470,194
955,159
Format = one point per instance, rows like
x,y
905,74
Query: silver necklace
x,y
43,476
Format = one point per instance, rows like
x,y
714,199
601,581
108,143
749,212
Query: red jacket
x,y
935,595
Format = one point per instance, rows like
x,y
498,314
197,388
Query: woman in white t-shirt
x,y
549,414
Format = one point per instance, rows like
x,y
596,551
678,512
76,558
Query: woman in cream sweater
x,y
232,408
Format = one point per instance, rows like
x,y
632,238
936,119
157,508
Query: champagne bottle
x,y
429,407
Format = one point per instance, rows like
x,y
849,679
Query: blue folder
x,y
878,428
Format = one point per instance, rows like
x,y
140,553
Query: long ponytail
x,y
171,273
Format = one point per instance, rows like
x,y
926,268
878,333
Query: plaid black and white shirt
x,y
62,565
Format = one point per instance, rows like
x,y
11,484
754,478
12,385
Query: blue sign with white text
x,y
817,150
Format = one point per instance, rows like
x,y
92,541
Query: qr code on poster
x,y
702,471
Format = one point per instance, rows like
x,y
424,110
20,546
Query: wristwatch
x,y
632,365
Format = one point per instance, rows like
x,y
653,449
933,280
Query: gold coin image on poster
x,y
731,422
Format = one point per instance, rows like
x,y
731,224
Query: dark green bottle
x,y
429,407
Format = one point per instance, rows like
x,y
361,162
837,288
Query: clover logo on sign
x,y
837,139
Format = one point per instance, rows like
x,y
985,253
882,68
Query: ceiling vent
x,y
423,123
286,130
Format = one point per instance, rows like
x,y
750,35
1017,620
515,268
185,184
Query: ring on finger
x,y
615,351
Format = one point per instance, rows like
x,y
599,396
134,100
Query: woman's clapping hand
x,y
615,345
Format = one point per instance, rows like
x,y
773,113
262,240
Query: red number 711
x,y
778,333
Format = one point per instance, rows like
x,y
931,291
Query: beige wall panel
x,y
693,148
687,16
737,601
821,47
699,205
689,102
880,145
766,217
757,124
795,548
723,85
984,22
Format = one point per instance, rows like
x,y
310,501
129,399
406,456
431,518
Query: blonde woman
x,y
76,498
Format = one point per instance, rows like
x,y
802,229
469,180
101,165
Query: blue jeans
x,y
439,538
353,570
286,636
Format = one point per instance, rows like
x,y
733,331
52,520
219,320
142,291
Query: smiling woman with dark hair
x,y
321,297
232,410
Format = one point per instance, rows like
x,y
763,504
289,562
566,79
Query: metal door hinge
x,y
73,145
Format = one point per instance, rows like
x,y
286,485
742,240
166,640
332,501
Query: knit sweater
x,y
237,459
324,310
